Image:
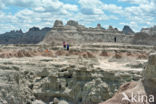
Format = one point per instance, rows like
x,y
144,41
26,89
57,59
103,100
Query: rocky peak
x,y
127,30
116,29
58,23
34,29
16,31
72,23
19,31
98,26
110,27
12,31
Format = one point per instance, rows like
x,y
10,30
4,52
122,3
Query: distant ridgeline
x,y
33,36
74,33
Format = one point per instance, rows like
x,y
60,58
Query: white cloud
x,y
135,1
70,7
45,12
6,28
113,8
91,7
142,14
98,7
34,13
51,5
91,3
39,9
20,3
41,5
2,6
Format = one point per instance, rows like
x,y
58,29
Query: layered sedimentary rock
x,y
79,83
141,92
144,38
149,31
88,75
72,32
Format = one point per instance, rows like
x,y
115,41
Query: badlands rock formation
x,y
144,38
127,30
58,23
149,31
33,36
87,74
141,92
74,33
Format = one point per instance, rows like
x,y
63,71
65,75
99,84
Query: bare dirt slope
x,y
87,74
141,92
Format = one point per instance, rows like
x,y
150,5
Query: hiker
x,y
67,47
115,39
64,44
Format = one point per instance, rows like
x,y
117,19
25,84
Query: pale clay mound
x,y
45,78
80,76
144,90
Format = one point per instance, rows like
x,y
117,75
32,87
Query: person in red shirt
x,y
64,44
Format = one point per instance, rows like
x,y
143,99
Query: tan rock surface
x,y
144,90
79,76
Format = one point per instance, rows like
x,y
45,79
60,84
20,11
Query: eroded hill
x,y
87,74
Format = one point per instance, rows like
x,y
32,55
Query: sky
x,y
24,14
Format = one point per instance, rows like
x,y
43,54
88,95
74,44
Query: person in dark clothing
x,y
67,47
115,39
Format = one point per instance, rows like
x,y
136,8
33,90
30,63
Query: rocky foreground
x,y
88,74
141,92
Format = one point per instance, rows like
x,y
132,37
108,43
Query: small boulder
x,y
58,23
72,23
56,101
